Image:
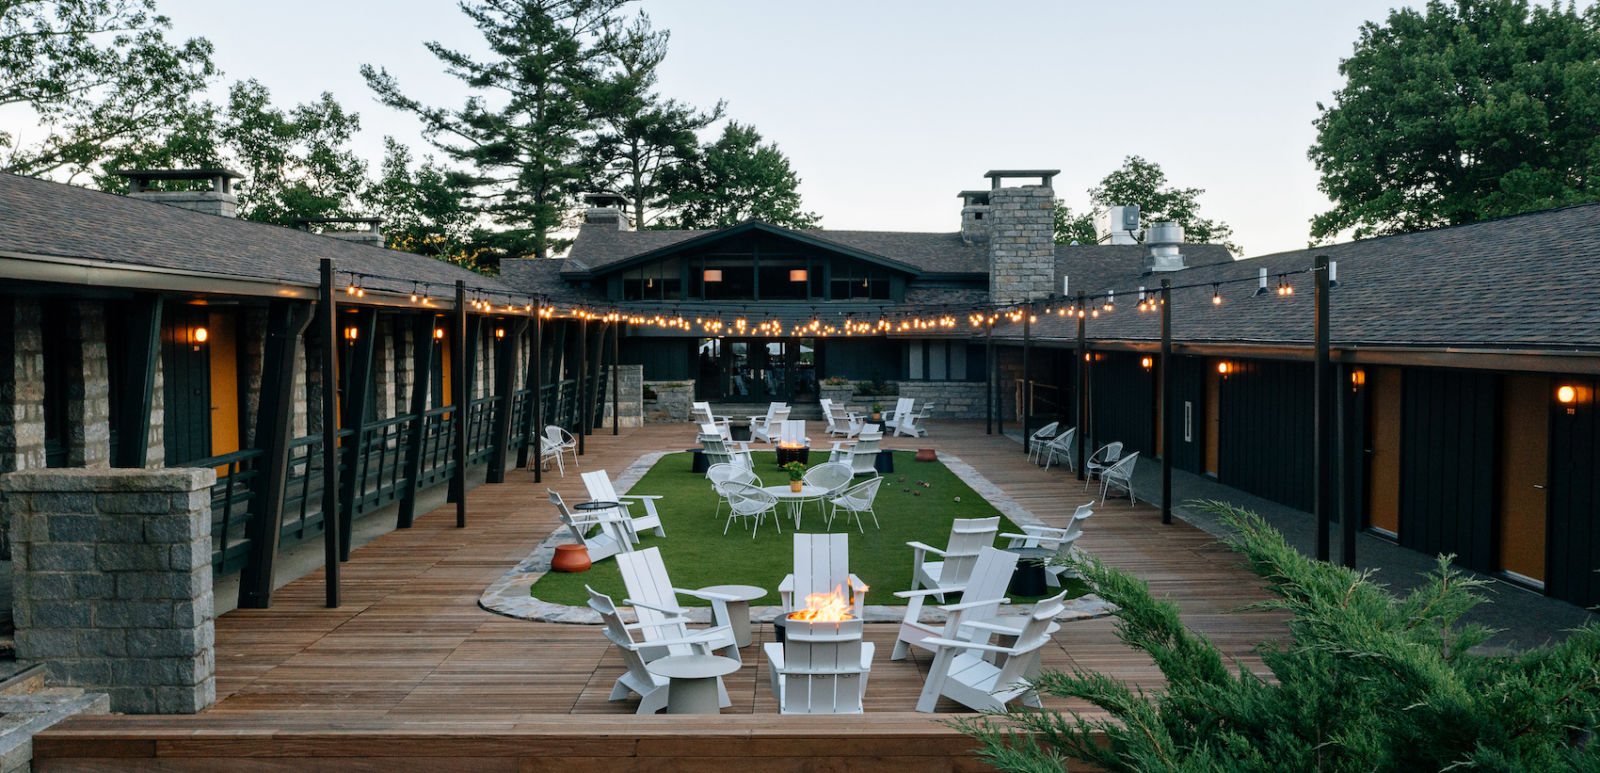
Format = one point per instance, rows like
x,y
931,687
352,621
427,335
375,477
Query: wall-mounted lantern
x,y
351,333
438,334
1224,367
1146,362
1358,377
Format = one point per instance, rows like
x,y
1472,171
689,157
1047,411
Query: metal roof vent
x,y
1165,241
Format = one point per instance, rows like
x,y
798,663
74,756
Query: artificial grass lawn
x,y
697,554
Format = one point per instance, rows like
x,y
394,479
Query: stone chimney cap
x,y
974,198
606,200
221,179
1044,175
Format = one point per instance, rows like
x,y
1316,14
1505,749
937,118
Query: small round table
x,y
597,505
796,500
1028,578
692,685
739,608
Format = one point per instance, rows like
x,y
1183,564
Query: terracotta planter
x,y
877,417
926,455
571,558
794,485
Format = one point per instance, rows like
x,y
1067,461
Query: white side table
x,y
692,685
739,608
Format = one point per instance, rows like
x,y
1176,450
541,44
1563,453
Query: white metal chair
x,y
600,489
720,474
821,566
747,501
765,428
968,536
960,672
557,441
720,450
821,671
1050,538
862,453
1101,459
703,416
651,689
661,619
1063,448
1039,440
980,601
611,539
856,500
832,477
1119,476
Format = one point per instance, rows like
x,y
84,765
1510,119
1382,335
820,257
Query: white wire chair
x,y
1100,461
1040,439
857,500
1119,476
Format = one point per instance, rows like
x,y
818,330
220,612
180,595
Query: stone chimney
x,y
1022,250
974,216
371,234
607,209
217,201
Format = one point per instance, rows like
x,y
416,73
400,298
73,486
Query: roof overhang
x,y
751,226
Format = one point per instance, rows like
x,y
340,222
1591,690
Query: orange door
x,y
223,349
1213,419
1383,456
1524,467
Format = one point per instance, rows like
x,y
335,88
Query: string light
x,y
1216,296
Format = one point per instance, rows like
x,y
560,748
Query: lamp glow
x,y
1566,394
201,334
713,275
797,275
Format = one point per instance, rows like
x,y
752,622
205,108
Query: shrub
x,y
1371,681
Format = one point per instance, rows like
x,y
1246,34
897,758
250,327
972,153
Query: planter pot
x,y
794,485
571,558
877,417
926,455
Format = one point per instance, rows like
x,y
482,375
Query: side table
x,y
692,681
739,608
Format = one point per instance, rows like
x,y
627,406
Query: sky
x,y
888,108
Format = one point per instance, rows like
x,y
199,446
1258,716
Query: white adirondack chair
x,y
1101,460
821,565
1040,439
661,618
823,671
1119,476
913,424
960,672
765,428
748,501
1050,538
862,453
840,420
556,442
792,432
1062,448
856,500
720,450
611,539
651,689
703,416
980,601
601,490
721,474
960,554
902,411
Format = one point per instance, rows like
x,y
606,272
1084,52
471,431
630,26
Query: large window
x,y
658,280
854,281
749,272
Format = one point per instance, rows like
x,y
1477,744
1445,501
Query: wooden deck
x,y
410,672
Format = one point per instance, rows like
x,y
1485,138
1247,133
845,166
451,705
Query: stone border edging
x,y
509,595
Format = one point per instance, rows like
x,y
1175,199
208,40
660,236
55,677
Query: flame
x,y
791,445
825,607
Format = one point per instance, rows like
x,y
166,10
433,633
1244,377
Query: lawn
x,y
698,554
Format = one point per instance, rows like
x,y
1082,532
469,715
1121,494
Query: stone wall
x,y
112,576
840,394
88,439
951,399
674,401
630,397
1022,263
21,385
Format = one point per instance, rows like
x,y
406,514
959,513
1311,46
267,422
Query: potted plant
x,y
877,412
797,475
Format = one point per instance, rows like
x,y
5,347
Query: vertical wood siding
x,y
1574,494
1447,451
1265,431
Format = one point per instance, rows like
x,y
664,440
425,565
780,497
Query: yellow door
x,y
1524,467
1213,420
1383,457
224,354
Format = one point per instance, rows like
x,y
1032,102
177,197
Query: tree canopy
x,y
1143,183
739,178
1459,112
423,210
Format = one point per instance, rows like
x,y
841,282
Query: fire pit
x,y
821,665
797,452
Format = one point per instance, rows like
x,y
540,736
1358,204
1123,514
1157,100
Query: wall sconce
x,y
499,332
1572,394
713,275
200,335
351,333
1146,362
797,275
1358,377
1224,368
438,334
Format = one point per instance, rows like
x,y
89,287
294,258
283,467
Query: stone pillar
x,y
21,385
630,397
253,352
1022,251
89,383
112,577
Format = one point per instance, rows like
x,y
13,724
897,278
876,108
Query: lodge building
x,y
155,331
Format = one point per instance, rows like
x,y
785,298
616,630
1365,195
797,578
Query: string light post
x,y
1024,401
1322,411
327,325
1082,369
461,396
1168,415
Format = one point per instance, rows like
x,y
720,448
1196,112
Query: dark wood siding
x,y
863,359
1447,450
1574,496
1189,386
664,359
186,386
1123,397
1265,439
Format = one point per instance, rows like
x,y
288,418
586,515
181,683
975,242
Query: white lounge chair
x,y
1119,476
765,428
960,554
980,601
856,500
601,490
651,689
1050,538
661,618
823,671
840,420
720,450
557,441
1063,448
720,474
703,416
821,566
1039,440
902,411
961,673
1103,458
611,539
862,453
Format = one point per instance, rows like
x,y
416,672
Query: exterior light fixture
x,y
1358,377
797,275
1216,296
499,332
1224,368
1566,394
351,333
438,334
201,334
1146,362
713,275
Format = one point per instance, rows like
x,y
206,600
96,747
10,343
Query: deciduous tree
x,y
1143,183
739,178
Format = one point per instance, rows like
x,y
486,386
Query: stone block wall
x,y
630,397
21,385
1022,263
88,439
674,401
112,575
841,394
951,399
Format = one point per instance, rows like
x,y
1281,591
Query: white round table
x,y
692,681
739,608
796,500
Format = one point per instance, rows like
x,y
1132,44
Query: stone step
x,y
27,681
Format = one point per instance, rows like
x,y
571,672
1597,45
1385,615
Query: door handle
x,y
1539,486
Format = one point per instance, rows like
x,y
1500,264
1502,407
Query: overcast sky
x,y
888,109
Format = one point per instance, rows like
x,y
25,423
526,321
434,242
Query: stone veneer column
x,y
112,578
1022,252
630,397
21,385
88,402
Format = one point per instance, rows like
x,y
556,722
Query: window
x,y
937,361
658,280
854,281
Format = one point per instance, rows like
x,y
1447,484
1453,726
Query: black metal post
x,y
535,354
583,365
1323,405
1024,405
1347,520
327,325
1083,380
988,369
616,351
462,387
507,343
1167,413
422,346
999,398
286,323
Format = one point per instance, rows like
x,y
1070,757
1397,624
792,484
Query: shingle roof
x,y
1519,281
599,246
39,217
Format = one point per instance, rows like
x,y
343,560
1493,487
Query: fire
x,y
825,607
791,445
